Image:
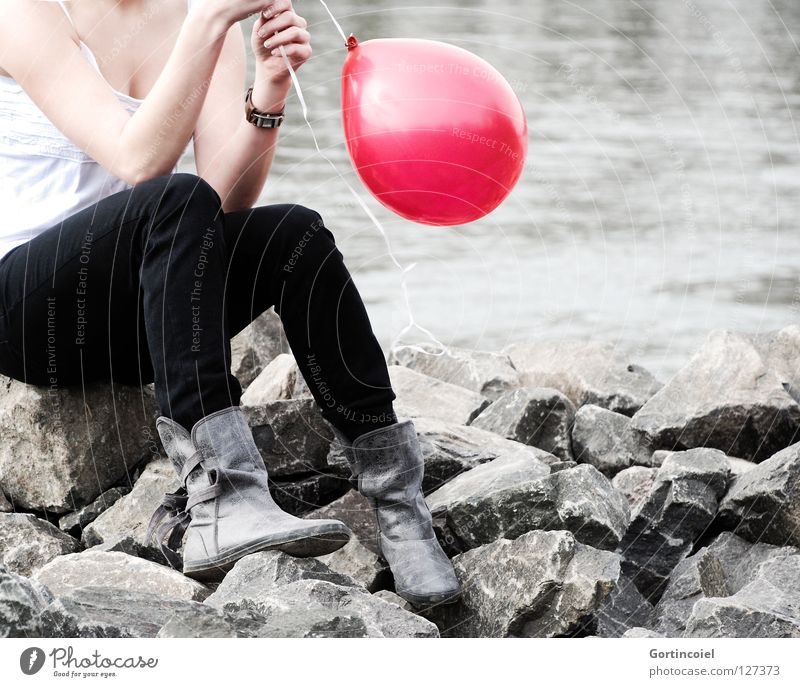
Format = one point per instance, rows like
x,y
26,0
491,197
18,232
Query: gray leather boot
x,y
387,468
224,508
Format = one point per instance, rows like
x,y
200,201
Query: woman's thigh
x,y
265,246
71,303
70,300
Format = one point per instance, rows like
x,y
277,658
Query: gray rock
x,y
739,466
511,496
28,542
762,504
586,372
74,523
355,512
123,526
727,397
720,569
562,465
281,380
542,584
356,561
419,395
205,621
254,585
61,448
101,612
658,457
681,505
538,417
450,449
634,483
263,572
623,609
5,506
769,606
305,601
21,602
642,632
291,436
603,438
392,598
256,346
118,570
489,374
780,351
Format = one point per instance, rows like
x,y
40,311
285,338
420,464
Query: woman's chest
x,y
131,51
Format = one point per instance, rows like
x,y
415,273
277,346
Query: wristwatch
x,y
263,120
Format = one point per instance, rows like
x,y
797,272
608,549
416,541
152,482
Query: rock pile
x,y
576,494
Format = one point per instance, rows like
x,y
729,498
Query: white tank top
x,y
44,176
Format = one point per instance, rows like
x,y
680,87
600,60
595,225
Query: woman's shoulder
x,y
20,19
15,14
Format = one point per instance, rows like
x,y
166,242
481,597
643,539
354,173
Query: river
x,y
661,194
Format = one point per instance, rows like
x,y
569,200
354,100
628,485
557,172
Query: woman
x,y
141,274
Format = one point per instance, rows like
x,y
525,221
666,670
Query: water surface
x,y
660,199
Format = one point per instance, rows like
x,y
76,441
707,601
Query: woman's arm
x,y
231,154
40,55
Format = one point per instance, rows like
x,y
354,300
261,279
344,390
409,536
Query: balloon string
x,y
412,323
333,19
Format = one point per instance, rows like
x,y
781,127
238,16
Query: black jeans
x,y
149,285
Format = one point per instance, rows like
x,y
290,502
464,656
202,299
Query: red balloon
x,y
435,133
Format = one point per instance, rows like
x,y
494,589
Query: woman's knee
x,y
189,186
293,219
187,210
280,237
182,190
309,243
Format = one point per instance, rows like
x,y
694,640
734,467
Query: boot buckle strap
x,y
191,463
205,494
175,526
172,517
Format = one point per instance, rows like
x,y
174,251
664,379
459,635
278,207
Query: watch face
x,y
269,122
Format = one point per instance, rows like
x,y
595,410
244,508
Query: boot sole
x,y
422,603
214,569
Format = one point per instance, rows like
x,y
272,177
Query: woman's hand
x,y
222,14
279,25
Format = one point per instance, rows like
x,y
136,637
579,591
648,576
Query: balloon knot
x,y
352,42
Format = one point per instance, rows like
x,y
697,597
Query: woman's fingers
x,y
276,7
280,26
294,34
298,51
280,22
260,21
261,7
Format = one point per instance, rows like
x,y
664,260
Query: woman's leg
x,y
282,255
150,283
130,289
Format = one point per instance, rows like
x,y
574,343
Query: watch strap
x,y
259,118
